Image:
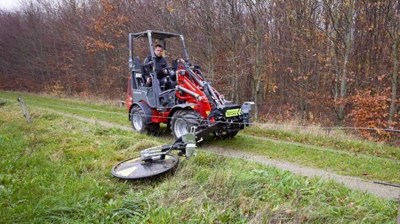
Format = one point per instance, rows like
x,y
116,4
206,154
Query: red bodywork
x,y
201,103
128,99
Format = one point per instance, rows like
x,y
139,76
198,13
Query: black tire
x,y
153,128
182,121
139,124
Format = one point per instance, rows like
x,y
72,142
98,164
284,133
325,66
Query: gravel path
x,y
383,191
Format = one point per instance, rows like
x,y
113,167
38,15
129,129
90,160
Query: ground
x,y
378,189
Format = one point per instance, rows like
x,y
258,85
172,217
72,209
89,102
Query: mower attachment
x,y
156,160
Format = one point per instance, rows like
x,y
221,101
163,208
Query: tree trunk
x,y
393,106
345,44
258,70
210,57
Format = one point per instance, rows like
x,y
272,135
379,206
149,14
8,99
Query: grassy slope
x,y
346,156
58,170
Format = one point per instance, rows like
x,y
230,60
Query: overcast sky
x,y
9,5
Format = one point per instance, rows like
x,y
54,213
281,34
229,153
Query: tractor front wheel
x,y
139,124
182,121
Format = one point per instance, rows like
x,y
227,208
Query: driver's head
x,y
158,50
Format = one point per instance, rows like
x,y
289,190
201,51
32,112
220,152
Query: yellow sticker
x,y
127,171
233,112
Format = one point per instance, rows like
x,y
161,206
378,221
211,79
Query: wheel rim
x,y
180,127
137,121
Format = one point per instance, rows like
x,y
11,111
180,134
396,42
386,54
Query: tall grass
x,y
57,170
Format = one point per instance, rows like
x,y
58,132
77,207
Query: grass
x,y
58,170
340,141
310,147
339,153
99,110
371,168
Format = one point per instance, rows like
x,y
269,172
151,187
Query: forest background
x,y
325,62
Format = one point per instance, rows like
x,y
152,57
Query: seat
x,y
137,65
138,71
139,79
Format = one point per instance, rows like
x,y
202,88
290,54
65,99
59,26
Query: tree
x,y
395,34
258,10
342,16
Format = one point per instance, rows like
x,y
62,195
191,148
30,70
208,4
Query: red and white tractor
x,y
191,104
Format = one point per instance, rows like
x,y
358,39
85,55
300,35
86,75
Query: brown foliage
x,y
370,110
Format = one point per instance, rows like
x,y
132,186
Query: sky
x,y
9,5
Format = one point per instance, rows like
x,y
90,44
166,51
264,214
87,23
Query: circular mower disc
x,y
135,168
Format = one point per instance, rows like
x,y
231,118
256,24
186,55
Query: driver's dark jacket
x,y
160,63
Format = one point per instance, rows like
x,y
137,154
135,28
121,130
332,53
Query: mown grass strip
x,y
369,168
104,112
350,145
320,148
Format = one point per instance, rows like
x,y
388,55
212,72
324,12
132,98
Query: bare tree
x,y
258,11
342,17
395,34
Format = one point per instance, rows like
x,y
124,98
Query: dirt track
x,y
383,191
354,183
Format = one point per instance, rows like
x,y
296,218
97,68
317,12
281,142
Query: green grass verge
x,y
57,170
99,111
349,145
352,157
366,167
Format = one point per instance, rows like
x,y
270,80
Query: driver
x,y
160,68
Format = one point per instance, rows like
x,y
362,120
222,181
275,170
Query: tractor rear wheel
x,y
182,121
139,124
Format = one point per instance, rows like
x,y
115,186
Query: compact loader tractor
x,y
191,103
188,105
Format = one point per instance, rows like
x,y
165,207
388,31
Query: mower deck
x,y
136,168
